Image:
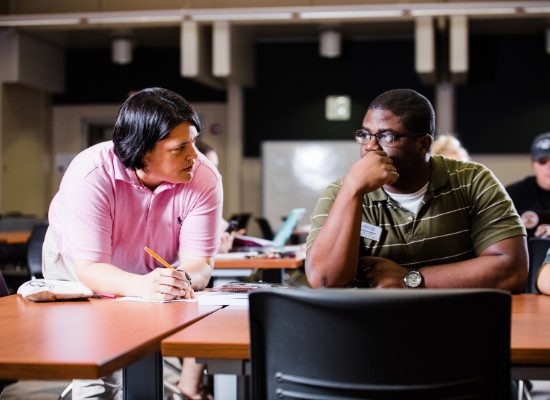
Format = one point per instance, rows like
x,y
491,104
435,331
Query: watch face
x,y
413,279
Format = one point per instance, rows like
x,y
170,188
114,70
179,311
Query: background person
x,y
450,146
403,218
531,195
191,383
147,187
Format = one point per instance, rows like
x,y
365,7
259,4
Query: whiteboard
x,y
295,174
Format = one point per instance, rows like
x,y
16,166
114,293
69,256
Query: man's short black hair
x,y
414,111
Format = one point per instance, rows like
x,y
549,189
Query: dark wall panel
x,y
506,101
91,77
292,82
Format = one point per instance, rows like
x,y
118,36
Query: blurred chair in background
x,y
265,228
34,250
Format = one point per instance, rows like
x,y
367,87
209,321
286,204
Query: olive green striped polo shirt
x,y
464,211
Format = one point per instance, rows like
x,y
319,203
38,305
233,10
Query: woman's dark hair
x,y
414,111
146,118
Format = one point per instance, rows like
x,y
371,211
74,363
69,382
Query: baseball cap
x,y
541,146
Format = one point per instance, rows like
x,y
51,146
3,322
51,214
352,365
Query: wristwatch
x,y
413,279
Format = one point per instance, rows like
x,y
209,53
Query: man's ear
x,y
424,144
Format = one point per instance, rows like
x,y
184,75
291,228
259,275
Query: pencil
x,y
165,263
158,258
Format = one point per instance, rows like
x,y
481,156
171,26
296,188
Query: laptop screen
x,y
284,233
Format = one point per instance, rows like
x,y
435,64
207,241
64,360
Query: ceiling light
x,y
461,11
330,43
134,19
536,10
351,14
40,22
243,16
121,51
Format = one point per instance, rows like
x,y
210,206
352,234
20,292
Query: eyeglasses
x,y
363,136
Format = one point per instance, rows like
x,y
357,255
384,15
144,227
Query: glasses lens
x,y
542,161
386,139
360,136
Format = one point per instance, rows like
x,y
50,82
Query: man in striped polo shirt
x,y
405,218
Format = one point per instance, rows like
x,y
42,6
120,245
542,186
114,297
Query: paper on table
x,y
222,298
137,298
237,255
203,298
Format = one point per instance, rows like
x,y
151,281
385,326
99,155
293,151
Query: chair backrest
x,y
265,228
18,223
380,344
242,219
34,250
537,253
3,286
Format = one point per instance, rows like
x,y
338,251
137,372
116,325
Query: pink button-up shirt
x,y
102,213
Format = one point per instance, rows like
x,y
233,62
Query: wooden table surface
x,y
15,237
259,263
225,333
530,329
84,339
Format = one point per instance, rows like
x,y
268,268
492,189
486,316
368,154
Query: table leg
x,y
144,379
273,275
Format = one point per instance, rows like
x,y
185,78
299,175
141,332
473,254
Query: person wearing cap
x,y
532,194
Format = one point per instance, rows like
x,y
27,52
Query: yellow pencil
x,y
158,258
165,263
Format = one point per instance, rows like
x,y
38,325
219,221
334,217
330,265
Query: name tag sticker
x,y
370,231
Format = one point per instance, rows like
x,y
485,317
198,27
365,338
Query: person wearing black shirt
x,y
531,195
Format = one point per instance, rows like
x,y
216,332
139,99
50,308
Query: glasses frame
x,y
360,137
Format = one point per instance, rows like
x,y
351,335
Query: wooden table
x,y
530,341
15,237
273,268
89,339
223,343
222,335
222,339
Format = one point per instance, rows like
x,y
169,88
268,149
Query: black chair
x,y
380,344
538,248
3,286
34,250
265,228
242,220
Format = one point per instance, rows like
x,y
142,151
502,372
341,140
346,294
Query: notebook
x,y
280,238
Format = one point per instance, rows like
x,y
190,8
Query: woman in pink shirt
x,y
149,187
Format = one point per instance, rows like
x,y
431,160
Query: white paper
x,y
222,298
137,298
237,255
